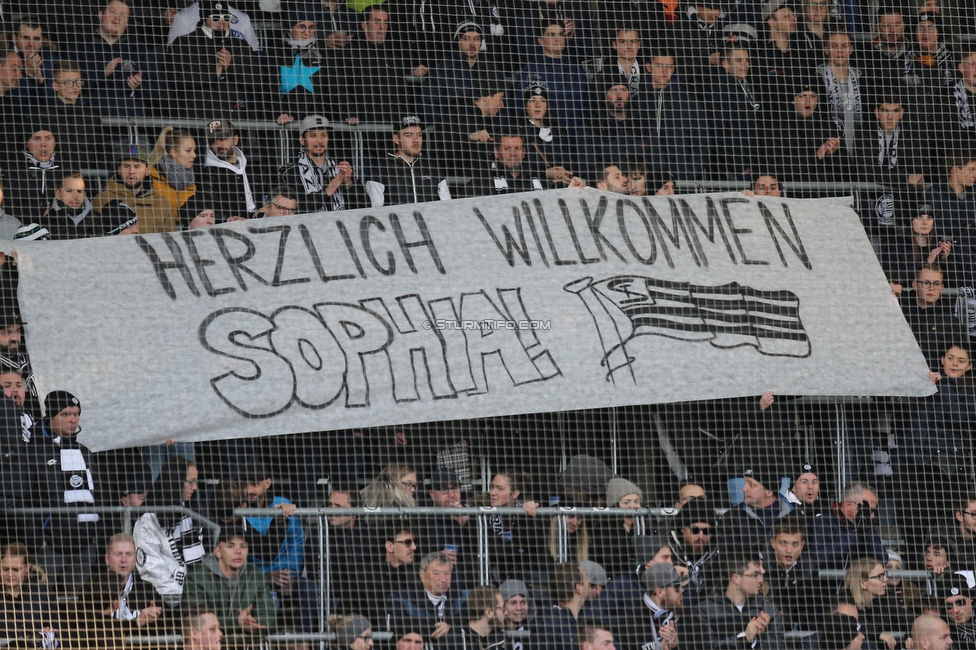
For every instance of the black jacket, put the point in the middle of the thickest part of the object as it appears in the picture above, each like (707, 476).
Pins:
(677, 137)
(226, 190)
(404, 182)
(720, 622)
(736, 115)
(197, 90)
(67, 534)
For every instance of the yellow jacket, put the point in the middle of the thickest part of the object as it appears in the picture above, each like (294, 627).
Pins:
(174, 197)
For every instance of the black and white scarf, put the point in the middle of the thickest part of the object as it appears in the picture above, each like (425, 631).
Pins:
(633, 76)
(239, 168)
(963, 106)
(122, 612)
(888, 151)
(835, 97)
(660, 616)
(79, 487)
(315, 179)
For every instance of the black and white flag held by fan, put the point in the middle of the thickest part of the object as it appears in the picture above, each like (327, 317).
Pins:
(539, 301)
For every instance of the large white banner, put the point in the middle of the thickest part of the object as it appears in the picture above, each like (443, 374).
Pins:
(532, 302)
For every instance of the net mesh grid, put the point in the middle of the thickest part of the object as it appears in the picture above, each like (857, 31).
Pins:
(769, 521)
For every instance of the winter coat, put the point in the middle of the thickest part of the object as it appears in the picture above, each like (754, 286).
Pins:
(174, 197)
(744, 528)
(835, 542)
(155, 211)
(943, 426)
(721, 623)
(404, 182)
(206, 585)
(67, 534)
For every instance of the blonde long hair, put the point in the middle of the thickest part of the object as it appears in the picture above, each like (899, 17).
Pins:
(857, 573)
(582, 536)
(387, 490)
(169, 139)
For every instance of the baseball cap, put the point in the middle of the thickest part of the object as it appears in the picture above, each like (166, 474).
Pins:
(132, 152)
(595, 573)
(443, 477)
(313, 122)
(662, 574)
(220, 128)
(775, 5)
(407, 121)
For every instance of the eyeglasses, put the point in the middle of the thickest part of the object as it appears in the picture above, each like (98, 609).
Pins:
(191, 481)
(700, 530)
(971, 514)
(217, 18)
(755, 574)
(881, 576)
(281, 208)
(407, 543)
(930, 284)
(959, 604)
(409, 485)
(71, 83)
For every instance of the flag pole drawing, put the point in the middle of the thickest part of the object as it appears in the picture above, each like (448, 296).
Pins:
(727, 316)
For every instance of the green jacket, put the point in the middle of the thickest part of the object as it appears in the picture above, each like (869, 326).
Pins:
(206, 585)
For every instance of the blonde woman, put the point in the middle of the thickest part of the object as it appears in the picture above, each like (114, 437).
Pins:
(395, 485)
(171, 169)
(577, 538)
(866, 583)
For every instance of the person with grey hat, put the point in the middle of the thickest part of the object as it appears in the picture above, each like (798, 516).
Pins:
(325, 184)
(611, 545)
(232, 587)
(406, 175)
(519, 609)
(224, 177)
(750, 525)
(132, 186)
(596, 576)
(655, 621)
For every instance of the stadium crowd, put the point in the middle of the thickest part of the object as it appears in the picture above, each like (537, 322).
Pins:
(630, 96)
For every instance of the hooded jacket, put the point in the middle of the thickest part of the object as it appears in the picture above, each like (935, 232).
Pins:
(207, 585)
(154, 211)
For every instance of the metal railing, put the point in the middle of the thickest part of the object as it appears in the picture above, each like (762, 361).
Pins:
(126, 511)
